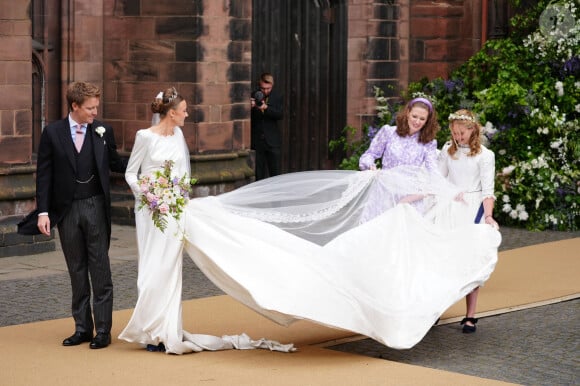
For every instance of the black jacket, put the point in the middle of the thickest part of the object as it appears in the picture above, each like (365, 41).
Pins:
(265, 124)
(56, 171)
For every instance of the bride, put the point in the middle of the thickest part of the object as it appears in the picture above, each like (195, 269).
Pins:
(156, 320)
(298, 246)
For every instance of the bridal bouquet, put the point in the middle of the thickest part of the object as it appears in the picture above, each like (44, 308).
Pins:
(164, 195)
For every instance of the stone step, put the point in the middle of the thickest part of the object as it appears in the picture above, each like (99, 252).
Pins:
(123, 212)
(14, 244)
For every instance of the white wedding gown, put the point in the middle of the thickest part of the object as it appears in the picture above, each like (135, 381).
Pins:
(157, 314)
(298, 246)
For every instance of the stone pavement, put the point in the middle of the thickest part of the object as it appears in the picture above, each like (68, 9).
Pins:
(537, 346)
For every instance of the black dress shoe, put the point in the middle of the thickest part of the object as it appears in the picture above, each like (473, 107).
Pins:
(102, 340)
(467, 329)
(77, 338)
(156, 348)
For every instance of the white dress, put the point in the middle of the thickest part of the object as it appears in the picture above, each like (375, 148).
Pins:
(293, 247)
(474, 176)
(157, 314)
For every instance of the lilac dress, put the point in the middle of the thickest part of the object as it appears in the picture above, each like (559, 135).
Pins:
(395, 151)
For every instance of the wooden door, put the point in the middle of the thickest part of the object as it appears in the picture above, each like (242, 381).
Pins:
(303, 44)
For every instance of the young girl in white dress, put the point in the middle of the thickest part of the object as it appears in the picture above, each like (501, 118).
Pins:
(469, 165)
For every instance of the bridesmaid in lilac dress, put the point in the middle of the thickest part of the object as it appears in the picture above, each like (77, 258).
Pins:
(411, 142)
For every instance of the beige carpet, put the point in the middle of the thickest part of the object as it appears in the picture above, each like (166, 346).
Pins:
(32, 354)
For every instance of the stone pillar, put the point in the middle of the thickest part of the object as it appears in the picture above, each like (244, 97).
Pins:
(373, 57)
(82, 43)
(203, 48)
(16, 170)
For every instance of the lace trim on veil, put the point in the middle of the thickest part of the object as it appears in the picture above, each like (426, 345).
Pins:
(356, 184)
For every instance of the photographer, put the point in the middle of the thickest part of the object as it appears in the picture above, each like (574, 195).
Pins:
(267, 109)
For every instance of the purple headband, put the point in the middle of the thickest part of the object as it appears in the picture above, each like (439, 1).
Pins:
(424, 100)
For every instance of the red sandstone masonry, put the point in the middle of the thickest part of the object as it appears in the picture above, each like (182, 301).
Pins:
(23, 123)
(215, 136)
(360, 12)
(217, 93)
(15, 97)
(438, 8)
(15, 73)
(358, 28)
(121, 111)
(15, 28)
(6, 123)
(130, 28)
(447, 50)
(434, 28)
(15, 150)
(430, 70)
(15, 48)
(17, 10)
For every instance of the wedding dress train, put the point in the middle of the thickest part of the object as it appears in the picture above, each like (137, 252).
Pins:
(349, 250)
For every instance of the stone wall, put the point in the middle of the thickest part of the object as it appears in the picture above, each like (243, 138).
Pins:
(373, 56)
(442, 35)
(203, 49)
(16, 172)
(393, 43)
(15, 81)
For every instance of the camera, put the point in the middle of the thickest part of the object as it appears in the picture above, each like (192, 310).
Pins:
(258, 96)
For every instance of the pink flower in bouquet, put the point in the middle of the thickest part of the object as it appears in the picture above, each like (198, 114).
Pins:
(164, 208)
(144, 187)
(152, 199)
(162, 181)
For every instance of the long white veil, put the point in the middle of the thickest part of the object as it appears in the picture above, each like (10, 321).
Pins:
(319, 205)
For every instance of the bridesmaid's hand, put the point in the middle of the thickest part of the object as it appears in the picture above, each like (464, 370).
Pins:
(490, 221)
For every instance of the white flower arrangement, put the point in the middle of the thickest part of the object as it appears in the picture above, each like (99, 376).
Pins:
(460, 117)
(100, 130)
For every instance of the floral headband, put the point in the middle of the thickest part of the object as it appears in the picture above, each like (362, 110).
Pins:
(460, 117)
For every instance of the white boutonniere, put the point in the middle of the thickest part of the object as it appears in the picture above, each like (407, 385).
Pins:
(100, 130)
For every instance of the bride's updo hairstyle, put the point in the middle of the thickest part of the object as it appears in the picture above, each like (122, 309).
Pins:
(168, 101)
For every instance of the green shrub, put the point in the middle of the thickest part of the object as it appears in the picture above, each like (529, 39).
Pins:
(526, 91)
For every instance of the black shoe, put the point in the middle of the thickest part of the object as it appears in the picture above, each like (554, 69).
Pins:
(102, 340)
(77, 338)
(467, 329)
(156, 348)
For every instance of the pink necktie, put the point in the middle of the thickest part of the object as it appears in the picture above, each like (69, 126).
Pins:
(79, 138)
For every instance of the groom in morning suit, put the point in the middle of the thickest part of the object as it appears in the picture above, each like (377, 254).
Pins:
(72, 192)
